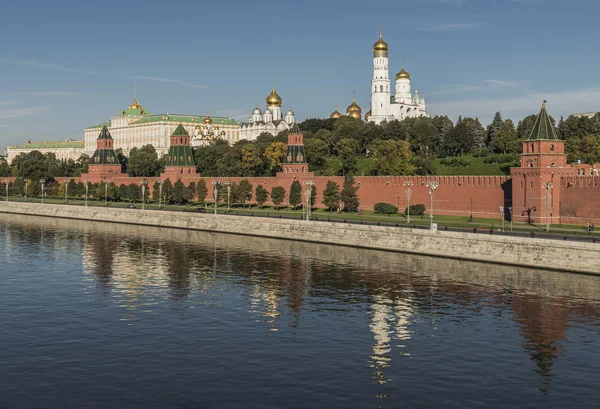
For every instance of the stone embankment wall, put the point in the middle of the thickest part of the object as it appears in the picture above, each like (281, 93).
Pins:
(539, 253)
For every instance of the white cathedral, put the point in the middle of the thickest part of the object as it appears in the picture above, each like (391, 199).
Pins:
(385, 107)
(270, 121)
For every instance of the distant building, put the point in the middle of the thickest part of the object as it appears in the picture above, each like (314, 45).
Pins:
(270, 121)
(68, 149)
(586, 114)
(135, 127)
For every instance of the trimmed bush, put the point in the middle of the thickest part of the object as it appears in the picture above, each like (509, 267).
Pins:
(385, 208)
(416, 210)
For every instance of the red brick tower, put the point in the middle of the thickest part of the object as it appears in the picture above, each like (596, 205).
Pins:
(104, 161)
(180, 159)
(536, 184)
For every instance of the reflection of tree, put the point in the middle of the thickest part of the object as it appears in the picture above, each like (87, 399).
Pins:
(544, 322)
(100, 250)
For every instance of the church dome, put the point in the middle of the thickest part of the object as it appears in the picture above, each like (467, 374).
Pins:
(274, 100)
(380, 48)
(256, 111)
(403, 74)
(354, 110)
(268, 111)
(207, 120)
(289, 113)
(367, 115)
(335, 114)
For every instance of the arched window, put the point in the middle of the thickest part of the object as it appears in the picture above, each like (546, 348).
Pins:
(532, 149)
(381, 88)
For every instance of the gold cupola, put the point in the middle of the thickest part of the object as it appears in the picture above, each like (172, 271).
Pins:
(135, 104)
(335, 114)
(380, 48)
(354, 110)
(207, 120)
(367, 115)
(403, 74)
(274, 100)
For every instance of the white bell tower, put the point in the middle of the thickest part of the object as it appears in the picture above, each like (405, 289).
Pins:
(380, 86)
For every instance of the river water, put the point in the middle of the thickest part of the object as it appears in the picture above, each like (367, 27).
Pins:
(116, 316)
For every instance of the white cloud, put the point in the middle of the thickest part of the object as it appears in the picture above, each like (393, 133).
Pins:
(52, 93)
(160, 79)
(560, 103)
(10, 113)
(239, 114)
(487, 85)
(453, 26)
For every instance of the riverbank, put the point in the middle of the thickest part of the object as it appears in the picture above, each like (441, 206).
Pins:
(527, 252)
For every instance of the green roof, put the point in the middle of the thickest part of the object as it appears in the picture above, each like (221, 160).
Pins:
(195, 119)
(135, 112)
(180, 131)
(104, 157)
(104, 134)
(107, 124)
(180, 155)
(50, 145)
(543, 128)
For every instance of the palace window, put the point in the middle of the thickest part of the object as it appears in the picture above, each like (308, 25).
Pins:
(552, 148)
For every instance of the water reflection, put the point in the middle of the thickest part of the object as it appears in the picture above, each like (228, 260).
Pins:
(400, 300)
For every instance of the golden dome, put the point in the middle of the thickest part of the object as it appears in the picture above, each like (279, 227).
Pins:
(207, 120)
(380, 48)
(403, 74)
(355, 114)
(367, 115)
(274, 100)
(335, 114)
(354, 108)
(135, 105)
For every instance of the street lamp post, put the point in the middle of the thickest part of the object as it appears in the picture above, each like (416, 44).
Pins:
(160, 184)
(548, 186)
(216, 186)
(26, 181)
(105, 192)
(6, 185)
(42, 181)
(87, 186)
(511, 218)
(144, 183)
(66, 190)
(432, 187)
(228, 184)
(501, 208)
(309, 184)
(408, 192)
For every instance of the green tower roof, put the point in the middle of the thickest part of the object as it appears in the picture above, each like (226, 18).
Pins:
(543, 128)
(180, 131)
(104, 134)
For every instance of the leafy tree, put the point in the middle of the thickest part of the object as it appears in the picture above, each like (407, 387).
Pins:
(192, 188)
(316, 151)
(313, 195)
(277, 195)
(4, 169)
(423, 136)
(261, 195)
(346, 150)
(315, 124)
(245, 191)
(295, 194)
(181, 194)
(505, 140)
(443, 124)
(133, 192)
(201, 190)
(331, 195)
(493, 129)
(348, 194)
(525, 126)
(168, 191)
(155, 190)
(143, 162)
(392, 157)
(275, 155)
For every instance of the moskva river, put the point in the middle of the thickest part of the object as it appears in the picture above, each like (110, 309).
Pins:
(98, 315)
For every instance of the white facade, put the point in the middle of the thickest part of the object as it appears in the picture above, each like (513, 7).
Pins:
(135, 127)
(67, 150)
(385, 107)
(270, 121)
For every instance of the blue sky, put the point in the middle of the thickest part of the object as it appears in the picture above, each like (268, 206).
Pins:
(66, 65)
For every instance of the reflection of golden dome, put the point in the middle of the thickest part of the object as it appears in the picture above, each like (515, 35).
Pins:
(135, 105)
(207, 120)
(380, 48)
(367, 115)
(274, 100)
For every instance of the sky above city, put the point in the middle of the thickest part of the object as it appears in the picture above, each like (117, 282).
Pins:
(66, 65)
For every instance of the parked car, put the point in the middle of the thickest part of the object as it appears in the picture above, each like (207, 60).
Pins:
(199, 210)
(131, 206)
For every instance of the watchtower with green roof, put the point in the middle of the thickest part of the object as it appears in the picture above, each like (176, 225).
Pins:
(180, 160)
(295, 160)
(104, 161)
(543, 148)
(537, 183)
